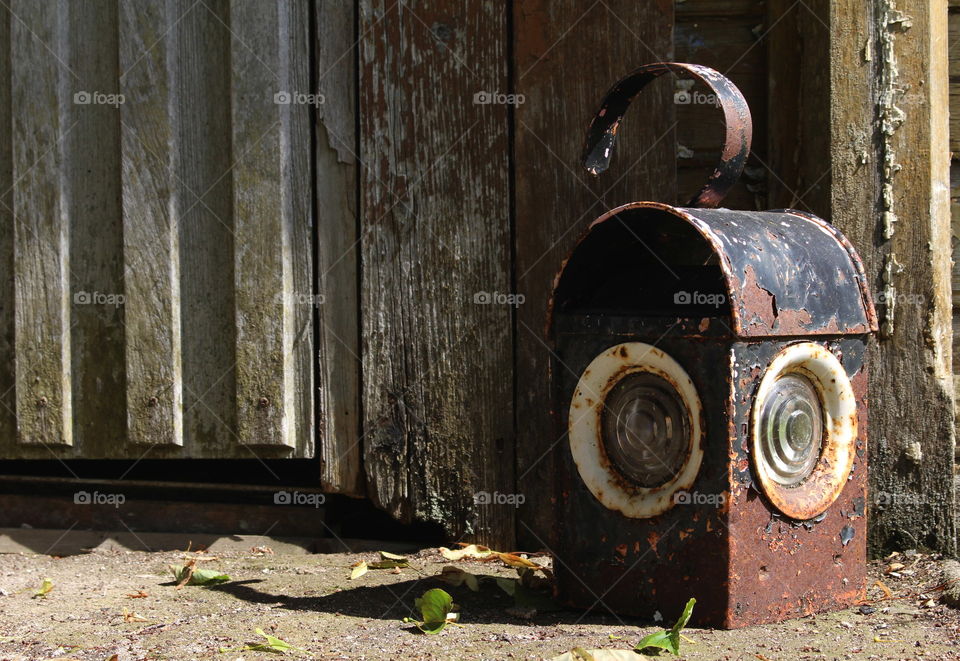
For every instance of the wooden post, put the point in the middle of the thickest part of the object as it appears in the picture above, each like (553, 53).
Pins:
(889, 151)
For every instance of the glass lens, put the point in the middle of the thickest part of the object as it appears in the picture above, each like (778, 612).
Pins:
(791, 429)
(646, 429)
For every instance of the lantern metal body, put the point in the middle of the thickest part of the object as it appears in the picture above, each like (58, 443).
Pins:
(711, 384)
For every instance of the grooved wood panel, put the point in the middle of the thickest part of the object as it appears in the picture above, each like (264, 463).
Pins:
(40, 89)
(151, 238)
(437, 375)
(556, 200)
(158, 250)
(271, 172)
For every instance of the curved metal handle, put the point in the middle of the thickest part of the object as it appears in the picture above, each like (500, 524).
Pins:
(602, 134)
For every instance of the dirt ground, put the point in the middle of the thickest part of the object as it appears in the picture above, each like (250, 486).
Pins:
(309, 601)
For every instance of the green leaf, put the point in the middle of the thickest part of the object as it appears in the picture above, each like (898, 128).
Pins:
(207, 577)
(658, 640)
(45, 588)
(436, 608)
(272, 644)
(388, 564)
(668, 639)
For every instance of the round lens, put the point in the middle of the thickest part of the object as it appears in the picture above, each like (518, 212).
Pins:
(791, 429)
(646, 430)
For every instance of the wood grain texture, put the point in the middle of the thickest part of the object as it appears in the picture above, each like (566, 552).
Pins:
(151, 237)
(270, 100)
(910, 378)
(732, 40)
(692, 9)
(437, 386)
(204, 206)
(555, 200)
(92, 206)
(147, 136)
(337, 315)
(8, 404)
(39, 90)
(798, 54)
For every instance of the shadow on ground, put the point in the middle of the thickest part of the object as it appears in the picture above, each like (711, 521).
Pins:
(395, 601)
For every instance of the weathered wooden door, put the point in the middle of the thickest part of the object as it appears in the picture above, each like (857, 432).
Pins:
(156, 269)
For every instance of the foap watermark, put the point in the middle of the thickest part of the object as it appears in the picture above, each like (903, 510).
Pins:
(483, 98)
(699, 298)
(498, 298)
(299, 298)
(497, 498)
(97, 498)
(299, 498)
(98, 99)
(892, 296)
(695, 98)
(897, 498)
(98, 298)
(698, 498)
(299, 99)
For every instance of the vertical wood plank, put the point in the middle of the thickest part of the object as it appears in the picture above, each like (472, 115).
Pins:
(437, 387)
(338, 316)
(8, 421)
(270, 101)
(204, 203)
(888, 108)
(555, 200)
(41, 228)
(154, 378)
(92, 204)
(798, 51)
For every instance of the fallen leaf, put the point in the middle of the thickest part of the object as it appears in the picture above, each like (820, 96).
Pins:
(457, 577)
(272, 644)
(45, 588)
(388, 564)
(386, 555)
(894, 566)
(472, 551)
(139, 594)
(887, 593)
(129, 616)
(668, 639)
(580, 654)
(359, 569)
(437, 610)
(190, 574)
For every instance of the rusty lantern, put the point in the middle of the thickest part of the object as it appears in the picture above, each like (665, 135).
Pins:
(711, 381)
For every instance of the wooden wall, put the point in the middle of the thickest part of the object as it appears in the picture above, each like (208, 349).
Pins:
(362, 275)
(156, 230)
